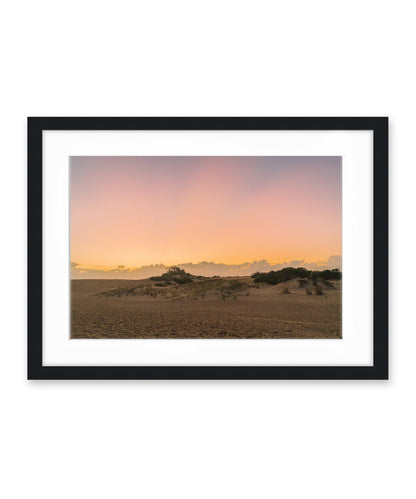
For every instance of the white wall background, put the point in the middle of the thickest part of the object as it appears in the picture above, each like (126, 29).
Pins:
(211, 439)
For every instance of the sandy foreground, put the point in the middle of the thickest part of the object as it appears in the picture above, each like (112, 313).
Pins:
(226, 308)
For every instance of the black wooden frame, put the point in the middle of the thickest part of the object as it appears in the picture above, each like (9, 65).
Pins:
(379, 127)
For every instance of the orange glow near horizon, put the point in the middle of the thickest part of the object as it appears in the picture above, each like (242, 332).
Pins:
(137, 211)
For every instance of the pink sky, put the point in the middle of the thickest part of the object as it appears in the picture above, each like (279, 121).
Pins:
(136, 211)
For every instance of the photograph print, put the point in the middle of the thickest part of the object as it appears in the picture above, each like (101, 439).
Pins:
(206, 247)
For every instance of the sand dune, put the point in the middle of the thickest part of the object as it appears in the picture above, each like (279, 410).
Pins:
(205, 308)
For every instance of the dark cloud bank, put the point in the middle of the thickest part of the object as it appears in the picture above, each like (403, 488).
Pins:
(208, 269)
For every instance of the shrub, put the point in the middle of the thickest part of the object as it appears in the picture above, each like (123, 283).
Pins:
(175, 274)
(283, 275)
(334, 275)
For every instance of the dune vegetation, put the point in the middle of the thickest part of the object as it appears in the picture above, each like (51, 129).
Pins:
(176, 284)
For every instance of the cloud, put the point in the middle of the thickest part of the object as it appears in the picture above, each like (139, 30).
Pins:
(208, 269)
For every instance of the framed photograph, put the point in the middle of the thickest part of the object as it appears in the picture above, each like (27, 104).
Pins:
(208, 248)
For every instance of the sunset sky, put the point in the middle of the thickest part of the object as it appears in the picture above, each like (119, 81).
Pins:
(137, 211)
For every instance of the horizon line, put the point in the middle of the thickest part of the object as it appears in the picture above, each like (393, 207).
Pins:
(206, 268)
(209, 262)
